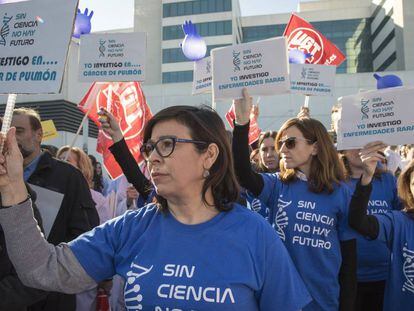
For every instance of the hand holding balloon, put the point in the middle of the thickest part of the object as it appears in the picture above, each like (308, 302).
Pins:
(193, 46)
(82, 23)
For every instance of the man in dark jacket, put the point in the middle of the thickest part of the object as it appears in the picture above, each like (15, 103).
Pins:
(14, 296)
(77, 213)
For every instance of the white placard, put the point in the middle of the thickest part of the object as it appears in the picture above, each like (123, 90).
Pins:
(261, 67)
(112, 57)
(202, 76)
(48, 203)
(313, 80)
(385, 115)
(34, 41)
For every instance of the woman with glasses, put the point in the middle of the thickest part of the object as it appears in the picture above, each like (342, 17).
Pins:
(394, 229)
(308, 204)
(373, 256)
(193, 249)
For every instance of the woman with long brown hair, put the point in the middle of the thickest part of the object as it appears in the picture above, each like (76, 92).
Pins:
(79, 159)
(308, 204)
(268, 157)
(394, 229)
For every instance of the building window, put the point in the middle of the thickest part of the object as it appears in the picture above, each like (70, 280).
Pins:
(204, 29)
(177, 76)
(196, 7)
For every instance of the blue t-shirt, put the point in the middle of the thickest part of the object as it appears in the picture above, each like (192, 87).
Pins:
(311, 225)
(232, 262)
(396, 229)
(254, 204)
(373, 255)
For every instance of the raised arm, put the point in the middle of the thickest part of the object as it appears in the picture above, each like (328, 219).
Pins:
(364, 224)
(123, 156)
(38, 263)
(248, 179)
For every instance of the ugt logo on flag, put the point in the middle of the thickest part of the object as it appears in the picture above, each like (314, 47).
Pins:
(303, 36)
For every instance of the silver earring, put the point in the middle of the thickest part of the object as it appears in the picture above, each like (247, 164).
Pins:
(206, 173)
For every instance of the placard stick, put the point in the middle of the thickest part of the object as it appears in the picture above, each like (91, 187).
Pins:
(7, 118)
(307, 98)
(85, 117)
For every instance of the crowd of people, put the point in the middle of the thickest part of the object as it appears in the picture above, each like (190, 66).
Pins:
(210, 223)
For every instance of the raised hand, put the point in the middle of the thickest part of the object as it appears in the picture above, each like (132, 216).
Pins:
(304, 112)
(110, 125)
(243, 108)
(370, 157)
(131, 195)
(12, 187)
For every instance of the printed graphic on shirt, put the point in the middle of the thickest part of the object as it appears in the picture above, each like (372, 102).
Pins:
(408, 269)
(132, 295)
(377, 207)
(312, 228)
(255, 205)
(174, 285)
(281, 218)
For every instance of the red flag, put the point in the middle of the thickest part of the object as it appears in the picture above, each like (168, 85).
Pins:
(254, 130)
(303, 36)
(126, 101)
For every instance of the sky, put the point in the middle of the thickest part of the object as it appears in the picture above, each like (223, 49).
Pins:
(104, 19)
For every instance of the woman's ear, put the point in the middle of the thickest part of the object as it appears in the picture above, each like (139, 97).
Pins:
(210, 156)
(315, 148)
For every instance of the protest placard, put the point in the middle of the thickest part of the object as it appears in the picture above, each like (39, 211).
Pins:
(202, 76)
(385, 115)
(49, 130)
(34, 41)
(261, 67)
(48, 203)
(310, 79)
(112, 57)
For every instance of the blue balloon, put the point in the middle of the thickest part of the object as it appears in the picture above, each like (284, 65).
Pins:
(82, 23)
(194, 47)
(387, 81)
(297, 56)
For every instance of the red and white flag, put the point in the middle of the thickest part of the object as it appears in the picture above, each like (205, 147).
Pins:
(301, 35)
(126, 101)
(254, 130)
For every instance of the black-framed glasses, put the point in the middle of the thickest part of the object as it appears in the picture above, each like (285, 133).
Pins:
(290, 142)
(165, 146)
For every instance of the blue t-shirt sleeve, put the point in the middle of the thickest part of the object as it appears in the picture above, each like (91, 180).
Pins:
(96, 249)
(270, 192)
(386, 227)
(283, 288)
(344, 230)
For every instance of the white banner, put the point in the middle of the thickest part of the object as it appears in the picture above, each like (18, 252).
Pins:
(385, 115)
(34, 41)
(202, 76)
(261, 67)
(112, 57)
(310, 79)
